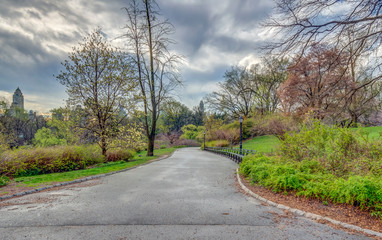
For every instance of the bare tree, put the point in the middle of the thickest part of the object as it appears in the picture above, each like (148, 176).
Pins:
(97, 77)
(266, 79)
(301, 24)
(235, 95)
(249, 89)
(147, 35)
(366, 100)
(363, 103)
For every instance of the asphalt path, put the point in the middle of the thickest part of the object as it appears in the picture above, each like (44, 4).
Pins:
(191, 195)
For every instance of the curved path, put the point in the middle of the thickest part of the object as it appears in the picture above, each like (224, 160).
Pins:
(191, 195)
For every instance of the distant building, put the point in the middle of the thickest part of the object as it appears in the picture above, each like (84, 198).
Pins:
(18, 100)
(31, 115)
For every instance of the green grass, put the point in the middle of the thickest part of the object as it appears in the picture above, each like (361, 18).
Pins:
(266, 144)
(47, 179)
(373, 133)
(270, 143)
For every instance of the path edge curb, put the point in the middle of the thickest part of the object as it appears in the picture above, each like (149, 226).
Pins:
(80, 180)
(303, 213)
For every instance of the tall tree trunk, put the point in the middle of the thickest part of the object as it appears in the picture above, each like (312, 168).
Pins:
(151, 138)
(150, 145)
(103, 145)
(354, 120)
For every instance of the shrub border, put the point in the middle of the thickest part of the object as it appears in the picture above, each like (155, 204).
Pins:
(303, 213)
(81, 179)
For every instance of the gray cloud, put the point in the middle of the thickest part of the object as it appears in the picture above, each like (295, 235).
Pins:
(36, 35)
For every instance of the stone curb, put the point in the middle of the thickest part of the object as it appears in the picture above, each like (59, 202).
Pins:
(305, 214)
(79, 180)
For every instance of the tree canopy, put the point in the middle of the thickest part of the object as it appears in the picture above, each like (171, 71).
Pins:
(97, 77)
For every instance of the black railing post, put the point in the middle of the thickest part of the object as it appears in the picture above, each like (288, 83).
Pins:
(241, 130)
(231, 153)
(204, 145)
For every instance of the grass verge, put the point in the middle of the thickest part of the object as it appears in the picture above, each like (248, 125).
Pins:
(265, 144)
(48, 179)
(372, 133)
(270, 143)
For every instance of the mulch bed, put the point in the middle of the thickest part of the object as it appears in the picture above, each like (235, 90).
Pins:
(340, 212)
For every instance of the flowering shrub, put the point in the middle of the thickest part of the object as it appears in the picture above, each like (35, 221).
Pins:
(119, 154)
(28, 162)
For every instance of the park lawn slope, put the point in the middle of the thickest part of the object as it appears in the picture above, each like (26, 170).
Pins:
(265, 144)
(371, 133)
(270, 143)
(323, 162)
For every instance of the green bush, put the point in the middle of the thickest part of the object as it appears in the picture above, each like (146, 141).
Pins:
(247, 126)
(4, 181)
(192, 132)
(217, 143)
(44, 137)
(340, 150)
(311, 179)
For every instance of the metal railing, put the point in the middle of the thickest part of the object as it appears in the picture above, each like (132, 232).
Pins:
(233, 153)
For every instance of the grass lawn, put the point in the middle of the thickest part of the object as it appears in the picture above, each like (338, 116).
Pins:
(270, 143)
(373, 133)
(267, 144)
(47, 179)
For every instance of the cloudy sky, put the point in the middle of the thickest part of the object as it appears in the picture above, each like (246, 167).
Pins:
(36, 36)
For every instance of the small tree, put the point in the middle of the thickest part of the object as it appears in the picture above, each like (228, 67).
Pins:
(66, 124)
(129, 136)
(175, 115)
(316, 82)
(45, 138)
(191, 131)
(98, 78)
(199, 113)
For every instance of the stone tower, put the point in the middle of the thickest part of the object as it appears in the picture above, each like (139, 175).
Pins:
(18, 100)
